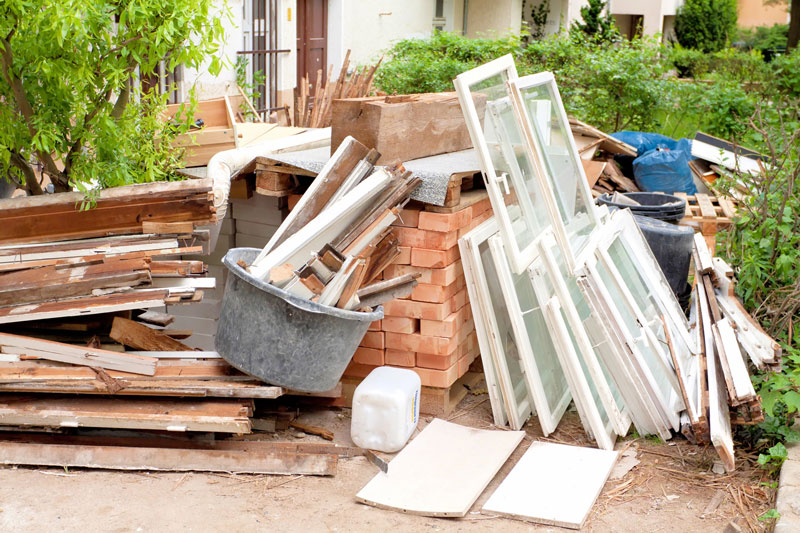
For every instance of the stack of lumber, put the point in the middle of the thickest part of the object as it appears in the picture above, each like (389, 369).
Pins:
(313, 109)
(431, 331)
(58, 260)
(337, 240)
(728, 337)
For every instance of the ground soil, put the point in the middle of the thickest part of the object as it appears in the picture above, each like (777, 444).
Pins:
(669, 490)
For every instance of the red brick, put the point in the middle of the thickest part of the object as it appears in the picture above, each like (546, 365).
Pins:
(368, 356)
(444, 221)
(433, 240)
(411, 309)
(400, 358)
(443, 362)
(408, 218)
(438, 378)
(478, 208)
(447, 327)
(405, 256)
(397, 324)
(376, 326)
(425, 292)
(357, 370)
(476, 221)
(466, 360)
(420, 343)
(373, 339)
(435, 276)
(422, 257)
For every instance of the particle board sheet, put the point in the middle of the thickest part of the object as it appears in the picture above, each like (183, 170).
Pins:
(228, 416)
(442, 471)
(553, 484)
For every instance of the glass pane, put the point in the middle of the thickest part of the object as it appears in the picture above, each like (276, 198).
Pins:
(552, 376)
(551, 133)
(505, 332)
(524, 201)
(650, 356)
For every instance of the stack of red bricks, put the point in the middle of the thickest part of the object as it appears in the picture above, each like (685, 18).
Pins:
(432, 331)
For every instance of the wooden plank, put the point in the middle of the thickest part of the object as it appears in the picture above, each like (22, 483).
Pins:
(736, 375)
(614, 174)
(68, 353)
(574, 478)
(190, 354)
(719, 422)
(52, 283)
(322, 189)
(83, 306)
(141, 337)
(593, 170)
(431, 124)
(227, 416)
(252, 461)
(703, 263)
(442, 471)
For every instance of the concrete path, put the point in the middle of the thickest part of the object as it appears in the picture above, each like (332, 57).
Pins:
(788, 502)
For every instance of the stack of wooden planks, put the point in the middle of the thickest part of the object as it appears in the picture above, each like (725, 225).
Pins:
(728, 337)
(60, 258)
(337, 241)
(313, 109)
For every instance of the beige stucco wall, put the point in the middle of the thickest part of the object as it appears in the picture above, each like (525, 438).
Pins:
(754, 13)
(493, 17)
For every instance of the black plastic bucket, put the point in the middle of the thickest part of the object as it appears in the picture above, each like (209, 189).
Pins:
(661, 206)
(672, 247)
(282, 339)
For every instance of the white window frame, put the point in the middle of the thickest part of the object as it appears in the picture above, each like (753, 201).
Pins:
(519, 258)
(620, 420)
(548, 418)
(486, 325)
(546, 181)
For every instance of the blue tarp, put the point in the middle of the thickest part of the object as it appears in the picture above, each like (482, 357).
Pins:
(662, 163)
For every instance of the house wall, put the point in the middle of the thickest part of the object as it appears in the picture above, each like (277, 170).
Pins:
(487, 18)
(753, 13)
(207, 85)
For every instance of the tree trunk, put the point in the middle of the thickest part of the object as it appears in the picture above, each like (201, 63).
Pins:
(31, 185)
(794, 25)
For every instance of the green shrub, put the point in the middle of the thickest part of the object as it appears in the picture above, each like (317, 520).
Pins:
(431, 64)
(596, 24)
(706, 25)
(786, 73)
(765, 38)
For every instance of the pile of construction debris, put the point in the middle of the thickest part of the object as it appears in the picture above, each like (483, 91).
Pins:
(337, 239)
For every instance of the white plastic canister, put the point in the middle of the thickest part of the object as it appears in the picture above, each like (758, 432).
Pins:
(385, 409)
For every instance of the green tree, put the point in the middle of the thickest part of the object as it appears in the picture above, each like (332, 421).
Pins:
(69, 99)
(596, 23)
(706, 25)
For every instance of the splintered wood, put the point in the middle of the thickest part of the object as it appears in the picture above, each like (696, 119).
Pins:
(728, 334)
(338, 238)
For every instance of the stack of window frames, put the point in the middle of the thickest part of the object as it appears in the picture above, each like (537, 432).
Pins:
(568, 301)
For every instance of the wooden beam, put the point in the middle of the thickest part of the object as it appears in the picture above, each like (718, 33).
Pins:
(252, 461)
(77, 355)
(141, 337)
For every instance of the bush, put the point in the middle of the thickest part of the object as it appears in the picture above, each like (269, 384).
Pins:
(765, 38)
(431, 64)
(706, 25)
(786, 73)
(764, 246)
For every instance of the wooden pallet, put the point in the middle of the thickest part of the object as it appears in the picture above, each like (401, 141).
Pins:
(708, 213)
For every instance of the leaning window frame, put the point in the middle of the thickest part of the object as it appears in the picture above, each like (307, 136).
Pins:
(546, 181)
(620, 420)
(488, 331)
(548, 416)
(519, 258)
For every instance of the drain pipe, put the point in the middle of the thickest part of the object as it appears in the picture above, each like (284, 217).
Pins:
(222, 165)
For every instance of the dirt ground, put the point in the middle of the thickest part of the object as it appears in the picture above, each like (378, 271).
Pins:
(669, 490)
